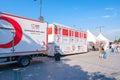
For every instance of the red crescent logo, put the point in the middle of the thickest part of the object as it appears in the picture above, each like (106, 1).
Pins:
(18, 32)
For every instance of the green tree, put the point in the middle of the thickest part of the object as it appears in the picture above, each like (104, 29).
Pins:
(115, 40)
(119, 40)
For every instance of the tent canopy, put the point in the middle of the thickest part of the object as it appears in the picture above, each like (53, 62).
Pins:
(100, 37)
(91, 37)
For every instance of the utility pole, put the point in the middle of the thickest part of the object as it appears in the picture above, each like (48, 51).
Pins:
(100, 28)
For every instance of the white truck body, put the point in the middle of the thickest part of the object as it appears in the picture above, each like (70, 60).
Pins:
(66, 40)
(27, 35)
(21, 36)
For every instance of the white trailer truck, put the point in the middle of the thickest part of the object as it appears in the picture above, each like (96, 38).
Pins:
(21, 39)
(66, 40)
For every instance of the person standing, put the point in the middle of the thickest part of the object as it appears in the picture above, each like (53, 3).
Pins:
(112, 47)
(101, 50)
(116, 48)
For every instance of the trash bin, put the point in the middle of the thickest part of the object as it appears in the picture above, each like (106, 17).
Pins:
(57, 56)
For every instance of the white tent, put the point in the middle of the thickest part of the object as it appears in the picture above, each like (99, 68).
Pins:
(91, 40)
(91, 37)
(101, 39)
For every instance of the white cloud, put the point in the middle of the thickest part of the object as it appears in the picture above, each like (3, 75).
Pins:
(109, 8)
(111, 12)
(107, 16)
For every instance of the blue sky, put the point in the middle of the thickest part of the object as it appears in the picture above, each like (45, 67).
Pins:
(82, 14)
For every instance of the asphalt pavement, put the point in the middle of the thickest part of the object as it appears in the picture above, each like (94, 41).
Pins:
(87, 66)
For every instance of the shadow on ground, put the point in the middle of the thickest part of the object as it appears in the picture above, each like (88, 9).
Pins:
(49, 70)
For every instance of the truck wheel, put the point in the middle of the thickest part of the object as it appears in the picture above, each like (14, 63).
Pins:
(24, 61)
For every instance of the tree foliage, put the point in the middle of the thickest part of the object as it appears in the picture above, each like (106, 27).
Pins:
(117, 40)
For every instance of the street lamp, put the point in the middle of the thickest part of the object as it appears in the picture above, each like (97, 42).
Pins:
(41, 17)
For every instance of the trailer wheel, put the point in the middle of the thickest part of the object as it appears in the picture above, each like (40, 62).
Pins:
(24, 61)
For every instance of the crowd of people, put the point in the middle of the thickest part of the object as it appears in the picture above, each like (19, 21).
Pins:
(105, 48)
(113, 48)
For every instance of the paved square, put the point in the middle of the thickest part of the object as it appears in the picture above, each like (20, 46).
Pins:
(87, 66)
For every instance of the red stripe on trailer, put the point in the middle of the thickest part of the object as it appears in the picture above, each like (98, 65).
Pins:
(49, 30)
(64, 32)
(76, 34)
(85, 35)
(56, 30)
